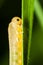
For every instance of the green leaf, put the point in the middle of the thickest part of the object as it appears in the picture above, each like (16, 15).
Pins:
(27, 17)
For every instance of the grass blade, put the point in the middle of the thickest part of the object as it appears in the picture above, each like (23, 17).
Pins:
(27, 17)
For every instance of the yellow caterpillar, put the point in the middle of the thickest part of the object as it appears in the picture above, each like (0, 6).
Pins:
(15, 41)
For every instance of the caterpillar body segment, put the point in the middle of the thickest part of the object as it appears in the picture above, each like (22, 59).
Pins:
(15, 42)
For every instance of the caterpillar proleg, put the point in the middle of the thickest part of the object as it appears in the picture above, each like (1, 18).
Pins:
(15, 41)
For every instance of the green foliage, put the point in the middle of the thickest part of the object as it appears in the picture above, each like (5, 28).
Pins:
(33, 34)
(27, 17)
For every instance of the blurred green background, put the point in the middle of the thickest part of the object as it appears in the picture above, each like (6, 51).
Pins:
(9, 9)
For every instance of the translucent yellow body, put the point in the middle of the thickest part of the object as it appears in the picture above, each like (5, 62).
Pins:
(15, 41)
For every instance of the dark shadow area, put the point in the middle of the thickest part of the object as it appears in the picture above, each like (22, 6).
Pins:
(41, 2)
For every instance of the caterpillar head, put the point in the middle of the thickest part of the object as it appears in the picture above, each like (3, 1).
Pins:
(17, 21)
